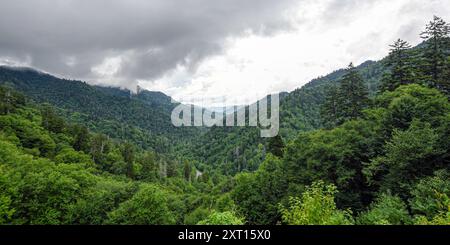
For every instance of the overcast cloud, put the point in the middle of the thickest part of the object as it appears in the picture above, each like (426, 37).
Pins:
(242, 49)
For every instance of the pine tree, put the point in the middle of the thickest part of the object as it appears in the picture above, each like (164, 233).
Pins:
(10, 100)
(81, 137)
(435, 60)
(329, 110)
(400, 63)
(276, 146)
(128, 157)
(352, 96)
(50, 120)
(99, 146)
(187, 171)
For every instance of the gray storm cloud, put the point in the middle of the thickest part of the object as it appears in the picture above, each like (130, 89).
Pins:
(141, 39)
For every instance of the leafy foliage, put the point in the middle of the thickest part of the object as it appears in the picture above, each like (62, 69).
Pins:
(316, 207)
(224, 218)
(350, 151)
(386, 210)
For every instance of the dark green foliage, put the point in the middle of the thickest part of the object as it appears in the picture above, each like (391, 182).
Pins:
(257, 195)
(128, 157)
(347, 101)
(50, 120)
(330, 108)
(436, 53)
(276, 146)
(187, 170)
(10, 100)
(382, 159)
(148, 206)
(401, 67)
(335, 156)
(352, 96)
(81, 138)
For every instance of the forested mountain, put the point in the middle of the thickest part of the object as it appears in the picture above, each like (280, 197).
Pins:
(236, 149)
(363, 145)
(143, 118)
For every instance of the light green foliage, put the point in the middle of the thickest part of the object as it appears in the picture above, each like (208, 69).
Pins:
(44, 190)
(442, 216)
(6, 192)
(69, 155)
(222, 218)
(386, 210)
(98, 200)
(430, 197)
(315, 207)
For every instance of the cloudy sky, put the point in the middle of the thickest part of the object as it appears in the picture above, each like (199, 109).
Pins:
(236, 50)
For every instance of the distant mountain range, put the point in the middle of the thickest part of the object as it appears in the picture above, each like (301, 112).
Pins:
(144, 117)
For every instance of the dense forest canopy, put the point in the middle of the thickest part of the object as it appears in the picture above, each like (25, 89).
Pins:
(363, 145)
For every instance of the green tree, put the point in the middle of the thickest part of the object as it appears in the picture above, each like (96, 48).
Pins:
(187, 170)
(315, 207)
(346, 102)
(99, 200)
(276, 146)
(6, 210)
(196, 216)
(10, 100)
(410, 155)
(400, 65)
(257, 195)
(329, 111)
(335, 156)
(81, 137)
(436, 53)
(222, 218)
(100, 146)
(50, 120)
(149, 206)
(128, 154)
(429, 197)
(150, 167)
(353, 95)
(386, 210)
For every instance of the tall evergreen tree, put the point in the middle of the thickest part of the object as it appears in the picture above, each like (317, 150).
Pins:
(81, 137)
(10, 100)
(187, 171)
(400, 63)
(352, 96)
(329, 110)
(437, 49)
(276, 146)
(50, 120)
(128, 157)
(99, 148)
